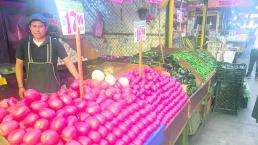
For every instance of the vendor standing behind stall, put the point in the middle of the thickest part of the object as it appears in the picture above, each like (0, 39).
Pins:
(253, 57)
(39, 53)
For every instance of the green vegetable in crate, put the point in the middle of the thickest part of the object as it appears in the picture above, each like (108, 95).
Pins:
(207, 59)
(182, 71)
(202, 69)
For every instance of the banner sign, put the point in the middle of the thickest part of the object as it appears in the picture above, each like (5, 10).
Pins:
(228, 3)
(71, 15)
(140, 31)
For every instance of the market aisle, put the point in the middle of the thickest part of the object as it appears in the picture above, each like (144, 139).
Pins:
(224, 129)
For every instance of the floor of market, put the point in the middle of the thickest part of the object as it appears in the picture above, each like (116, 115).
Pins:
(224, 129)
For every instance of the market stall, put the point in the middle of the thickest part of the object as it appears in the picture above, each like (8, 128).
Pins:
(146, 97)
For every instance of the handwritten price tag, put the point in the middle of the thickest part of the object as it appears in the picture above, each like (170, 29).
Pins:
(71, 16)
(139, 31)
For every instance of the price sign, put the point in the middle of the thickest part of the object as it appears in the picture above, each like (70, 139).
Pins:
(139, 31)
(71, 16)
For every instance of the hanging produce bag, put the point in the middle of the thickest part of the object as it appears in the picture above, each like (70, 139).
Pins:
(98, 27)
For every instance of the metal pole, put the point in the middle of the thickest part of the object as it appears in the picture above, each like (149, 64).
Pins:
(204, 17)
(171, 23)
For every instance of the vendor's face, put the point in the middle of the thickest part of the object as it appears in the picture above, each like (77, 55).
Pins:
(38, 30)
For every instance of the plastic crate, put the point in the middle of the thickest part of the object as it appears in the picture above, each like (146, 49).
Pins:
(231, 73)
(227, 98)
(157, 137)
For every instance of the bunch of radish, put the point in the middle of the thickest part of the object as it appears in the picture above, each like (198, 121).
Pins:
(112, 111)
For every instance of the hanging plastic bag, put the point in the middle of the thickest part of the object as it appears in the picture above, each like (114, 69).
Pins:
(98, 27)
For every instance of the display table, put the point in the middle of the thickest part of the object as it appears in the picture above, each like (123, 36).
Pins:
(176, 126)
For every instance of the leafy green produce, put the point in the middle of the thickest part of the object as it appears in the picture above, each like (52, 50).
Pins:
(208, 59)
(201, 68)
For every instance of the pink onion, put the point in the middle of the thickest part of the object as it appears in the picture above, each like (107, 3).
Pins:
(61, 142)
(69, 133)
(108, 115)
(82, 128)
(42, 124)
(7, 118)
(89, 96)
(32, 136)
(84, 140)
(75, 85)
(74, 94)
(93, 109)
(15, 137)
(103, 131)
(12, 101)
(117, 132)
(94, 136)
(4, 103)
(93, 122)
(30, 119)
(61, 92)
(82, 116)
(20, 112)
(103, 142)
(73, 142)
(71, 110)
(58, 124)
(38, 105)
(44, 97)
(114, 108)
(3, 113)
(80, 104)
(100, 118)
(111, 138)
(55, 103)
(31, 95)
(62, 113)
(71, 120)
(49, 137)
(47, 113)
(7, 127)
(67, 99)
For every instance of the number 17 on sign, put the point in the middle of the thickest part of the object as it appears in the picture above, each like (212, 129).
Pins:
(139, 36)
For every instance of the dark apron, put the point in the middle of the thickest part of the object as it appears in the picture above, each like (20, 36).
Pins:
(255, 110)
(41, 75)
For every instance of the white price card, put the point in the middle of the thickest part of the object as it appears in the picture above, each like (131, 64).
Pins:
(140, 31)
(71, 15)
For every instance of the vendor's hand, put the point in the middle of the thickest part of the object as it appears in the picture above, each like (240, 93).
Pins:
(21, 92)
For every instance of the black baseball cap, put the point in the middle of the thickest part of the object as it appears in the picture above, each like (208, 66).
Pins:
(39, 17)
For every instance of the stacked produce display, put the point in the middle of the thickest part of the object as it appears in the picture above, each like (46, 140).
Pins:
(200, 67)
(172, 66)
(209, 60)
(183, 75)
(112, 111)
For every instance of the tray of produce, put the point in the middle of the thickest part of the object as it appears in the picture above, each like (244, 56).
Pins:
(113, 110)
(172, 66)
(195, 63)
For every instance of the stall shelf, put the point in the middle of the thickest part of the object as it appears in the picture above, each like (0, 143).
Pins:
(176, 126)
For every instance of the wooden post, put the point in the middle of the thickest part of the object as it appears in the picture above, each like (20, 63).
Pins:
(140, 58)
(160, 43)
(79, 60)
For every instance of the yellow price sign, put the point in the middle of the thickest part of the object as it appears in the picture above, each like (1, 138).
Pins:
(3, 81)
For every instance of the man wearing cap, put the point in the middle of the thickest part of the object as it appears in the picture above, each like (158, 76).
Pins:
(39, 53)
